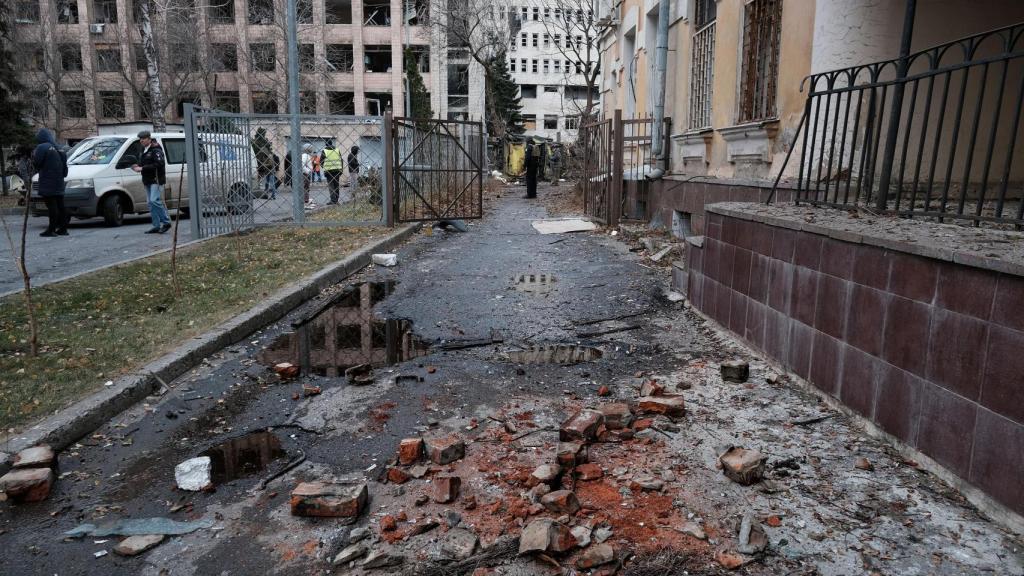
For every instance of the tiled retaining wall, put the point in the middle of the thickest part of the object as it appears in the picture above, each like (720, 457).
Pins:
(691, 195)
(929, 350)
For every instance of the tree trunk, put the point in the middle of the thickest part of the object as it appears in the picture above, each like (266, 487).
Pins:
(23, 268)
(156, 100)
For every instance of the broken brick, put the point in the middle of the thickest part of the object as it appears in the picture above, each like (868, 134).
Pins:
(27, 484)
(587, 472)
(773, 521)
(286, 370)
(41, 456)
(388, 524)
(324, 499)
(571, 454)
(743, 466)
(410, 451)
(604, 391)
(308, 390)
(651, 388)
(735, 371)
(446, 488)
(582, 426)
(642, 424)
(596, 555)
(398, 476)
(535, 536)
(646, 484)
(561, 502)
(617, 415)
(562, 539)
(730, 560)
(860, 464)
(668, 405)
(545, 474)
(445, 450)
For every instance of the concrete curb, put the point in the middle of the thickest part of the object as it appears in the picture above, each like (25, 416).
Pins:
(81, 418)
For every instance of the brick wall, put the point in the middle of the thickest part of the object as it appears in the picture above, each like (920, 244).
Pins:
(929, 350)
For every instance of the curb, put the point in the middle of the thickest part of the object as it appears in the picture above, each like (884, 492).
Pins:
(62, 429)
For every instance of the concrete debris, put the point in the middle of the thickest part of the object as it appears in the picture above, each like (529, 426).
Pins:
(358, 534)
(672, 406)
(308, 390)
(562, 225)
(590, 471)
(459, 544)
(617, 415)
(692, 529)
(424, 527)
(581, 427)
(674, 296)
(735, 371)
(194, 474)
(359, 375)
(419, 471)
(571, 454)
(647, 484)
(602, 534)
(27, 484)
(651, 388)
(386, 260)
(582, 535)
(752, 539)
(445, 450)
(596, 555)
(743, 466)
(661, 253)
(350, 553)
(410, 451)
(545, 474)
(139, 527)
(135, 545)
(863, 464)
(546, 535)
(561, 502)
(41, 456)
(446, 488)
(452, 518)
(538, 492)
(325, 499)
(382, 558)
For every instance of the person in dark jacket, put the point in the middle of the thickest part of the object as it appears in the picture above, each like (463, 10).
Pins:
(532, 161)
(353, 170)
(151, 165)
(52, 166)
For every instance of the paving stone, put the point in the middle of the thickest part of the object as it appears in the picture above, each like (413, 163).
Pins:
(350, 553)
(135, 545)
(459, 543)
(581, 427)
(27, 484)
(410, 451)
(445, 450)
(326, 499)
(735, 371)
(673, 406)
(561, 502)
(446, 488)
(743, 466)
(596, 555)
(41, 456)
(617, 415)
(587, 472)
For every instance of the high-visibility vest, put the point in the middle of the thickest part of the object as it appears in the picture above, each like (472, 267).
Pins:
(332, 159)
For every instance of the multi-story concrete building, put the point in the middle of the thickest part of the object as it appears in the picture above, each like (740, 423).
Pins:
(550, 58)
(84, 62)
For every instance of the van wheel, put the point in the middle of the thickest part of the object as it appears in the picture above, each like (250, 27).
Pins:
(113, 211)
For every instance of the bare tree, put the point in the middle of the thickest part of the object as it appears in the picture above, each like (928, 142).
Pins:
(573, 34)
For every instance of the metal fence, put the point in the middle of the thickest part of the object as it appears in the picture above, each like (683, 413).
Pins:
(596, 178)
(702, 71)
(239, 171)
(438, 169)
(933, 135)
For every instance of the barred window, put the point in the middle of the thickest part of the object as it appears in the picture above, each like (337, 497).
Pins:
(112, 104)
(72, 103)
(702, 63)
(761, 39)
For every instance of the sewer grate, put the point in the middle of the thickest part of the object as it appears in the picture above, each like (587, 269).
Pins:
(533, 283)
(555, 354)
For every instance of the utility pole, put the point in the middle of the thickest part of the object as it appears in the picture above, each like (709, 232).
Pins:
(298, 184)
(408, 85)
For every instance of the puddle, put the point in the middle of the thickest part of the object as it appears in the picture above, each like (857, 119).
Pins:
(535, 283)
(243, 456)
(346, 333)
(556, 354)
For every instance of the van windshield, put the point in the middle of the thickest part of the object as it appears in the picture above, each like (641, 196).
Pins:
(96, 151)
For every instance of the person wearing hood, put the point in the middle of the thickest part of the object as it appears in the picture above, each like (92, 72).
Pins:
(532, 162)
(52, 166)
(151, 165)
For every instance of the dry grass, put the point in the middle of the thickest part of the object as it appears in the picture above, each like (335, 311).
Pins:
(103, 325)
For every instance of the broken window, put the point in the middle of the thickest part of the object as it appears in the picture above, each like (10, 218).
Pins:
(550, 122)
(458, 79)
(341, 103)
(264, 103)
(702, 61)
(227, 101)
(223, 57)
(759, 78)
(34, 55)
(70, 57)
(339, 57)
(27, 12)
(183, 57)
(222, 12)
(377, 13)
(142, 105)
(67, 13)
(112, 104)
(528, 91)
(377, 103)
(108, 59)
(262, 57)
(307, 58)
(104, 12)
(72, 103)
(551, 89)
(261, 12)
(304, 11)
(307, 103)
(338, 11)
(377, 57)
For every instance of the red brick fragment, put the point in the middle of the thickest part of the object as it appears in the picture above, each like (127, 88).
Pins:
(410, 451)
(446, 488)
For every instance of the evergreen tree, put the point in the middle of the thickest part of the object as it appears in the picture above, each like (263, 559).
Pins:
(419, 98)
(13, 127)
(504, 108)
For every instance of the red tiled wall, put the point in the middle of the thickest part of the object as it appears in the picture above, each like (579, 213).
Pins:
(691, 196)
(930, 351)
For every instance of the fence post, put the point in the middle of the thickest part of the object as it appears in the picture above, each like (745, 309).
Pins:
(882, 201)
(195, 209)
(388, 200)
(615, 202)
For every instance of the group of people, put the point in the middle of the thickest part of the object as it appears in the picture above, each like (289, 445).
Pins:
(327, 165)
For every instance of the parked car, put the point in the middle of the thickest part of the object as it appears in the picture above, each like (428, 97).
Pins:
(101, 182)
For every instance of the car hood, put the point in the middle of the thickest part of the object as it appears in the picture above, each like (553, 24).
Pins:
(79, 171)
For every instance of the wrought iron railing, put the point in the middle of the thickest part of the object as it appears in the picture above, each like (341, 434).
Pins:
(932, 135)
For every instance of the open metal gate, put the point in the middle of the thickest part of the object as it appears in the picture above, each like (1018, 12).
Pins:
(597, 180)
(437, 168)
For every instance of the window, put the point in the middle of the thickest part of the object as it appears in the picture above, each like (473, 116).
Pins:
(112, 104)
(702, 62)
(579, 68)
(522, 64)
(528, 91)
(760, 72)
(525, 12)
(546, 67)
(339, 57)
(264, 103)
(304, 11)
(535, 36)
(557, 40)
(38, 105)
(140, 57)
(377, 103)
(26, 12)
(512, 65)
(174, 150)
(377, 57)
(224, 58)
(67, 13)
(186, 98)
(222, 12)
(72, 103)
(530, 121)
(533, 66)
(35, 57)
(307, 102)
(547, 41)
(104, 11)
(307, 58)
(108, 59)
(551, 89)
(547, 13)
(572, 122)
(341, 103)
(376, 13)
(261, 12)
(536, 14)
(550, 122)
(263, 57)
(227, 101)
(523, 39)
(183, 57)
(704, 12)
(70, 57)
(558, 66)
(142, 105)
(338, 11)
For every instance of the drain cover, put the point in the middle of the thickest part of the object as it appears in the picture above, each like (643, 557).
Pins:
(555, 354)
(535, 283)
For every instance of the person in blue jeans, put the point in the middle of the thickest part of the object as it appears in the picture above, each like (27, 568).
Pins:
(151, 165)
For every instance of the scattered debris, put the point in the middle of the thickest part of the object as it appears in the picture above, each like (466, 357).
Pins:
(445, 450)
(735, 371)
(323, 499)
(194, 474)
(672, 406)
(862, 463)
(459, 543)
(562, 225)
(41, 456)
(135, 545)
(360, 374)
(385, 259)
(27, 484)
(308, 390)
(561, 502)
(582, 426)
(350, 553)
(286, 370)
(752, 539)
(446, 488)
(693, 529)
(596, 555)
(661, 253)
(743, 466)
(410, 451)
(139, 527)
(545, 535)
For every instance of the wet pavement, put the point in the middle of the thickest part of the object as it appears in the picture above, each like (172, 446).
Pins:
(468, 334)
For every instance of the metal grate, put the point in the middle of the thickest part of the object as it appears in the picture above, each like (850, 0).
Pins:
(596, 142)
(761, 39)
(702, 66)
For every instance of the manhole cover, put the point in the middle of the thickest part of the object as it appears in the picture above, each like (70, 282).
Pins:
(535, 283)
(555, 354)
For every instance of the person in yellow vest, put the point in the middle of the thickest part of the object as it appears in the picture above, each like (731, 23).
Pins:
(330, 160)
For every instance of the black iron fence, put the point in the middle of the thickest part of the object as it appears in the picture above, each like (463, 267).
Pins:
(932, 135)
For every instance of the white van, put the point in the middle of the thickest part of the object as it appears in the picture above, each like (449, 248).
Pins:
(101, 182)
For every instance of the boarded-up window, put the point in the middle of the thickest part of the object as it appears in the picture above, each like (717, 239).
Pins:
(760, 75)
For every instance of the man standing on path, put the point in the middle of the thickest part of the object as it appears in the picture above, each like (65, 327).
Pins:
(52, 166)
(330, 161)
(531, 170)
(353, 170)
(151, 165)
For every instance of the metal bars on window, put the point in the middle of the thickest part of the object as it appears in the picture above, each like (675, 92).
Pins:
(759, 81)
(702, 64)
